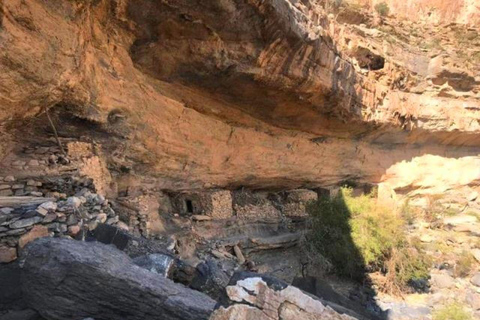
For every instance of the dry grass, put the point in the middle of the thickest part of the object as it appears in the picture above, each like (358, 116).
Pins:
(452, 311)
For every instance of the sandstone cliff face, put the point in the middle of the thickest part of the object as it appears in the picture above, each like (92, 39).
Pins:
(433, 11)
(229, 93)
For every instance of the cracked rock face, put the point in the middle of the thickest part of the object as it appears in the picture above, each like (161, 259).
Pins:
(203, 94)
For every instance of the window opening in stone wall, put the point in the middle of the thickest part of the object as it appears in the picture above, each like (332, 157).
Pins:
(189, 206)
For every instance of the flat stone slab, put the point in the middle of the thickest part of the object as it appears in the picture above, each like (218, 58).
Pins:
(22, 201)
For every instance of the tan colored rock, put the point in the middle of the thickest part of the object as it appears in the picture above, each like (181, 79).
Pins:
(7, 254)
(239, 254)
(427, 238)
(197, 217)
(37, 231)
(95, 168)
(248, 205)
(123, 226)
(442, 280)
(238, 312)
(433, 11)
(147, 207)
(289, 303)
(476, 254)
(472, 196)
(257, 109)
(460, 220)
(78, 149)
(220, 206)
(73, 230)
(102, 217)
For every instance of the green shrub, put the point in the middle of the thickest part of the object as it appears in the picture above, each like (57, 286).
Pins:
(382, 9)
(452, 311)
(355, 234)
(355, 227)
(331, 235)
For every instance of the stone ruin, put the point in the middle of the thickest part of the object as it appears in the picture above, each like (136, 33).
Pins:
(215, 204)
(44, 211)
(145, 211)
(54, 192)
(69, 195)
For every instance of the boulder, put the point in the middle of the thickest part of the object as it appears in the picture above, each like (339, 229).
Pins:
(211, 278)
(442, 281)
(74, 202)
(472, 298)
(68, 279)
(264, 298)
(156, 262)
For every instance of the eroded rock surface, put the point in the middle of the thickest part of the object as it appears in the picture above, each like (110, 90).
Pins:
(238, 93)
(257, 299)
(67, 279)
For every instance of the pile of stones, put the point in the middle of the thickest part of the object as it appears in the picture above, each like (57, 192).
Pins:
(10, 187)
(57, 187)
(39, 158)
(56, 217)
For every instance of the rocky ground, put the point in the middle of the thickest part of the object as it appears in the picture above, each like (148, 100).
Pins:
(453, 244)
(204, 253)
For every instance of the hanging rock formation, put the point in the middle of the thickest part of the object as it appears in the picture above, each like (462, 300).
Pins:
(235, 93)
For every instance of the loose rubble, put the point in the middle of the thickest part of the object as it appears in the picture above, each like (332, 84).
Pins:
(27, 218)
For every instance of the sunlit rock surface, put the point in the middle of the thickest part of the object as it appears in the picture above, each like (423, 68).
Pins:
(202, 94)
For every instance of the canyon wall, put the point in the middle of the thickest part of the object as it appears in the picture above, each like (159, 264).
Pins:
(235, 93)
(433, 11)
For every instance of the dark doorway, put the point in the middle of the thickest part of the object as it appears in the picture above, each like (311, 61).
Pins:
(189, 206)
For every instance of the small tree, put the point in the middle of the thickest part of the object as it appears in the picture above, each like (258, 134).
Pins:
(382, 9)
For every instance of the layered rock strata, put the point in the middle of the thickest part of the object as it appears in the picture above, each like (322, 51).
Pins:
(239, 93)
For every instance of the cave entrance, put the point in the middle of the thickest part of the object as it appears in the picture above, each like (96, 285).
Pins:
(189, 206)
(369, 60)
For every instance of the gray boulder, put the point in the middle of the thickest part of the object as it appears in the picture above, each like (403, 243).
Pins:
(211, 278)
(68, 279)
(156, 262)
